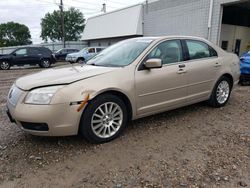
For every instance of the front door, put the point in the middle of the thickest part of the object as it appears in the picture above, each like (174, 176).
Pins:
(91, 52)
(162, 88)
(20, 56)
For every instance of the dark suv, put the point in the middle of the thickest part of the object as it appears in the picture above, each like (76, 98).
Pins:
(27, 56)
(62, 53)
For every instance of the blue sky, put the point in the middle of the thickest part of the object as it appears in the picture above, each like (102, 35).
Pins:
(30, 12)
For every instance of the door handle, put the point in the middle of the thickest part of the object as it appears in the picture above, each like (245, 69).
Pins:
(217, 64)
(182, 66)
(25, 55)
(181, 71)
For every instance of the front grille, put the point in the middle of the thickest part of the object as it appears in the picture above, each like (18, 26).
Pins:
(14, 95)
(35, 126)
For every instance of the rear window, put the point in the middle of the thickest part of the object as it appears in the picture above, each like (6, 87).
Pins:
(199, 50)
(35, 51)
(99, 49)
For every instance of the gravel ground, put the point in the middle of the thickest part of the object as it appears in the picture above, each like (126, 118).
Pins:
(195, 146)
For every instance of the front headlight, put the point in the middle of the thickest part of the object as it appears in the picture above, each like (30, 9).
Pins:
(41, 95)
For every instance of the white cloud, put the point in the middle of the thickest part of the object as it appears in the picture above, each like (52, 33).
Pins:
(30, 12)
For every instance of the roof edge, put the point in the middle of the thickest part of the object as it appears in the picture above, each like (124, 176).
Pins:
(117, 10)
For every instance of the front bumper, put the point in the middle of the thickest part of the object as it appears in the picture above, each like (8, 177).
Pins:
(60, 119)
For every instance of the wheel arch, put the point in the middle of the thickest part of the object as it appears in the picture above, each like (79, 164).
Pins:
(117, 93)
(123, 97)
(80, 58)
(230, 77)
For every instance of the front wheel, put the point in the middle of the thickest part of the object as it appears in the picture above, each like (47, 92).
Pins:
(4, 65)
(80, 61)
(221, 92)
(45, 63)
(104, 119)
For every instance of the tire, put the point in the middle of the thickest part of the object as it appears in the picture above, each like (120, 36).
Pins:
(4, 65)
(80, 61)
(99, 127)
(45, 63)
(221, 92)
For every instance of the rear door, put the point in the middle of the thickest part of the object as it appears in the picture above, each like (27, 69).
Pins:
(162, 88)
(202, 69)
(34, 55)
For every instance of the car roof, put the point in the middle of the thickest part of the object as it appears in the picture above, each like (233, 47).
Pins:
(171, 37)
(96, 47)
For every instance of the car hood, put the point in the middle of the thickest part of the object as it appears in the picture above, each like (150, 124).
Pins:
(64, 75)
(4, 56)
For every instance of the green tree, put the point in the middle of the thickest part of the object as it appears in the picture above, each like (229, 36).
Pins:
(14, 34)
(74, 23)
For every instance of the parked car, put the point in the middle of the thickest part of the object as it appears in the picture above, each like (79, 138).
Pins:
(129, 80)
(245, 68)
(84, 55)
(62, 53)
(27, 55)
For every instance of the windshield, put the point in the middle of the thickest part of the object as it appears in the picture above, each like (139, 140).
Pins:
(58, 51)
(83, 50)
(120, 54)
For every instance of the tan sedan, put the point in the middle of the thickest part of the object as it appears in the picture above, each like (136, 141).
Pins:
(129, 80)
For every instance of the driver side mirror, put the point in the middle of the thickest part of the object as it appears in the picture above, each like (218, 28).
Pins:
(153, 63)
(14, 54)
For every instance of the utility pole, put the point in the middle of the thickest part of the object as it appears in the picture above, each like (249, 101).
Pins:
(62, 23)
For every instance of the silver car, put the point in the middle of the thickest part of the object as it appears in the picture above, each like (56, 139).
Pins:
(129, 80)
(83, 55)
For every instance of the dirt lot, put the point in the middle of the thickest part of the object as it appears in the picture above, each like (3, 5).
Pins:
(195, 146)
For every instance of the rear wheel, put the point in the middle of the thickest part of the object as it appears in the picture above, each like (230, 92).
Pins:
(45, 63)
(221, 92)
(104, 119)
(4, 65)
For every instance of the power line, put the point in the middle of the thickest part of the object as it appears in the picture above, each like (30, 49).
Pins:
(93, 4)
(44, 1)
(117, 2)
(80, 7)
(87, 3)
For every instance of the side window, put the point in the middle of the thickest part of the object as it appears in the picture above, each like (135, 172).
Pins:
(21, 51)
(34, 51)
(168, 52)
(213, 53)
(99, 49)
(63, 51)
(199, 50)
(91, 50)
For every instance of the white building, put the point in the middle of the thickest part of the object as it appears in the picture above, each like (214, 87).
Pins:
(224, 22)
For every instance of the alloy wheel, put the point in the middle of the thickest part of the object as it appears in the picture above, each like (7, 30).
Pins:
(46, 63)
(223, 91)
(4, 65)
(107, 120)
